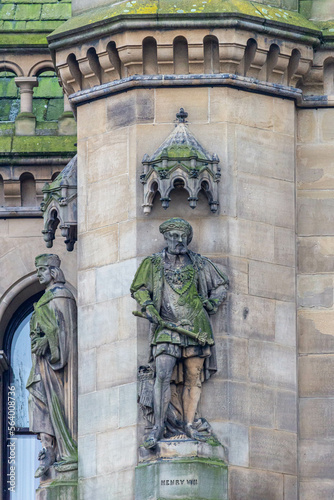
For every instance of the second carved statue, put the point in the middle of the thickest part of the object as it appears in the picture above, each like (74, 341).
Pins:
(177, 290)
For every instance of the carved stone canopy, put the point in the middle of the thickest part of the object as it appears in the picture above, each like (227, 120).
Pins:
(180, 161)
(60, 206)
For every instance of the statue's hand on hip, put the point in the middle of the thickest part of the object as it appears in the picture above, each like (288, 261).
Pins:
(39, 346)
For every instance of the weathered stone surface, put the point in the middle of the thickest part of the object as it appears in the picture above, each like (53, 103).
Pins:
(98, 324)
(251, 317)
(127, 413)
(272, 364)
(250, 404)
(87, 456)
(122, 358)
(98, 247)
(128, 231)
(316, 418)
(87, 381)
(265, 153)
(253, 240)
(273, 450)
(286, 411)
(316, 374)
(315, 290)
(285, 323)
(285, 246)
(237, 358)
(311, 489)
(106, 202)
(231, 105)
(284, 109)
(169, 101)
(326, 119)
(316, 255)
(107, 155)
(271, 281)
(235, 438)
(315, 211)
(84, 119)
(290, 488)
(98, 411)
(316, 459)
(307, 125)
(118, 485)
(110, 446)
(129, 109)
(252, 484)
(315, 330)
(114, 280)
(266, 200)
(315, 166)
(215, 390)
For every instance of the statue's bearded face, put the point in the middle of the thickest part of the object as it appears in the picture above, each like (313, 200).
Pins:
(44, 275)
(176, 242)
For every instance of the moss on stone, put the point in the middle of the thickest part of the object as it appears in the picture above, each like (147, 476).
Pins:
(5, 144)
(56, 11)
(27, 11)
(43, 144)
(163, 8)
(23, 39)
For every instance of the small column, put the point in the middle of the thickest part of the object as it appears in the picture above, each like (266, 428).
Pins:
(26, 121)
(66, 122)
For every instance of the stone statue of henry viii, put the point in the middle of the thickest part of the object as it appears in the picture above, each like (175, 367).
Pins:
(52, 382)
(177, 291)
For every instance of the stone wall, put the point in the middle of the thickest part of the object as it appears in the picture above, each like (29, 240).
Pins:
(315, 201)
(251, 401)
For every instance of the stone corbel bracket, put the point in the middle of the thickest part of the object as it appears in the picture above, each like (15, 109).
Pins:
(180, 162)
(59, 206)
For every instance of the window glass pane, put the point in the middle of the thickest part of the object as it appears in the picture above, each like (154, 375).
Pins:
(26, 451)
(21, 366)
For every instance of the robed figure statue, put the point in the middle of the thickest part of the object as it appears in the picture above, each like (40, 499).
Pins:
(177, 291)
(52, 382)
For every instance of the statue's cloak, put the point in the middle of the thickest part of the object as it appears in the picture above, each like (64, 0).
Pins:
(52, 382)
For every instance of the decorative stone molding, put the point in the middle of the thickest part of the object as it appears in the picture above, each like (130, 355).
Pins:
(180, 162)
(60, 206)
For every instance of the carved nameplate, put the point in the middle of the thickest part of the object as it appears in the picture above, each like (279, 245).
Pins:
(178, 482)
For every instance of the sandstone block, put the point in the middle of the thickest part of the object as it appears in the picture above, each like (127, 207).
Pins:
(266, 200)
(251, 317)
(326, 119)
(249, 239)
(98, 324)
(286, 411)
(107, 155)
(271, 281)
(315, 290)
(284, 110)
(130, 108)
(215, 390)
(315, 330)
(98, 411)
(236, 106)
(273, 450)
(316, 459)
(84, 119)
(122, 357)
(118, 485)
(316, 418)
(98, 247)
(250, 404)
(128, 408)
(285, 246)
(316, 374)
(235, 438)
(307, 129)
(87, 377)
(315, 166)
(114, 281)
(285, 323)
(110, 448)
(272, 364)
(194, 101)
(290, 487)
(128, 239)
(321, 489)
(265, 153)
(316, 255)
(254, 484)
(315, 211)
(87, 456)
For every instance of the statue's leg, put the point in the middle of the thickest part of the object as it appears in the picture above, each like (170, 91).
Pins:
(47, 456)
(192, 390)
(161, 398)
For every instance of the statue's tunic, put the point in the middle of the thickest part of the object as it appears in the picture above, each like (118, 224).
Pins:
(179, 295)
(52, 380)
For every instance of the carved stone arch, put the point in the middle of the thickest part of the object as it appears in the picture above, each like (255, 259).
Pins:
(11, 66)
(40, 67)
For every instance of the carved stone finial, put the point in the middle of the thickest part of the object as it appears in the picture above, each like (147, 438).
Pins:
(182, 115)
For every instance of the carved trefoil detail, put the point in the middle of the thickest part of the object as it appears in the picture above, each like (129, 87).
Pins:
(180, 161)
(60, 206)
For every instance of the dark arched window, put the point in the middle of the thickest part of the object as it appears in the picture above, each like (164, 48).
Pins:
(18, 441)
